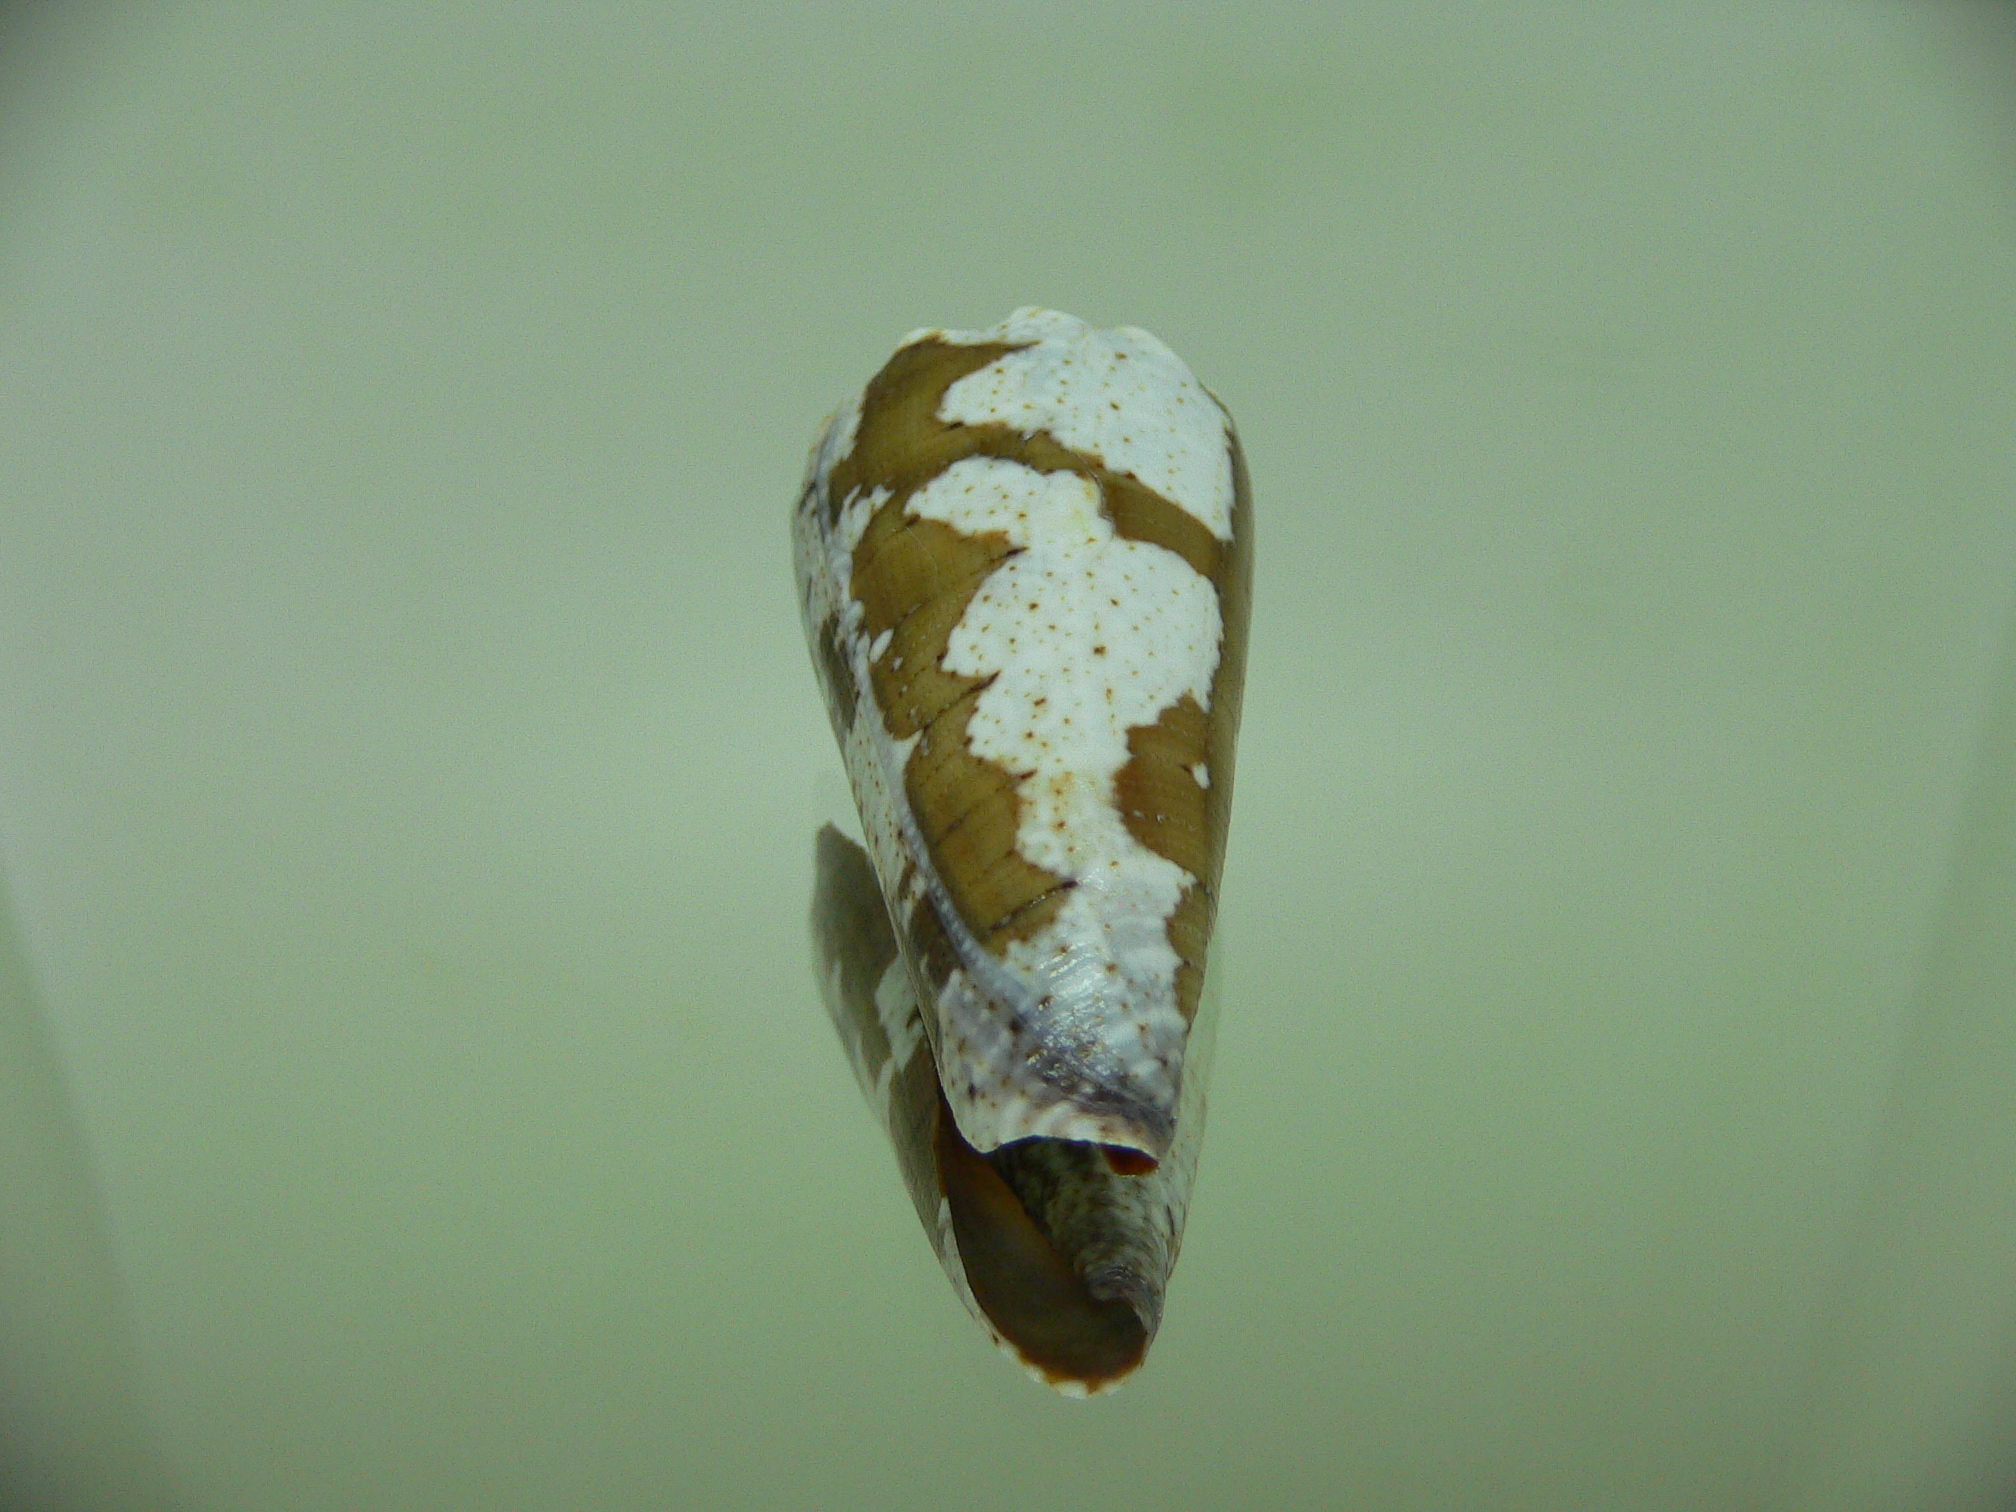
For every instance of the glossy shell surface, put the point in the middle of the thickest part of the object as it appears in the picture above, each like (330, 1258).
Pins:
(1023, 559)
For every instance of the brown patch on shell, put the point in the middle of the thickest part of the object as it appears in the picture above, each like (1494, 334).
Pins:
(1159, 798)
(1190, 937)
(968, 810)
(914, 579)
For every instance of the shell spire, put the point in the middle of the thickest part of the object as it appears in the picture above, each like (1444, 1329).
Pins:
(1023, 559)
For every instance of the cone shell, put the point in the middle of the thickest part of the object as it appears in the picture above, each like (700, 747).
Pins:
(1023, 559)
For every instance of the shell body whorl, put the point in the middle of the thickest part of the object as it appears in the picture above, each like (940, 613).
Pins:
(1023, 558)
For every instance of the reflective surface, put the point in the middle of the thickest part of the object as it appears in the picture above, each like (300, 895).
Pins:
(408, 758)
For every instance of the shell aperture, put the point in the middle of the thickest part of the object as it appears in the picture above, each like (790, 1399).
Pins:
(1023, 560)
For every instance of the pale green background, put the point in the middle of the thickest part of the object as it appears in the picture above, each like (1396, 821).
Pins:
(415, 1091)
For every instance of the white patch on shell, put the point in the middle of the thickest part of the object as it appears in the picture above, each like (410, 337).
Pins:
(902, 1026)
(841, 432)
(1118, 395)
(855, 514)
(835, 442)
(1201, 775)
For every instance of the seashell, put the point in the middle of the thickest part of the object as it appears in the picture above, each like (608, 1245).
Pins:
(1024, 557)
